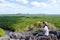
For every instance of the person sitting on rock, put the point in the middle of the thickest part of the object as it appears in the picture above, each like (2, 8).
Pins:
(45, 29)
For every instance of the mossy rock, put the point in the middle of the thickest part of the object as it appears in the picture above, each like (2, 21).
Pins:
(1, 32)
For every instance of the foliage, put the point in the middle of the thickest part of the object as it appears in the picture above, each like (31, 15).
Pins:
(19, 22)
(1, 32)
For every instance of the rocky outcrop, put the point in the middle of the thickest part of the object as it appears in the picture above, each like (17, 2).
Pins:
(29, 35)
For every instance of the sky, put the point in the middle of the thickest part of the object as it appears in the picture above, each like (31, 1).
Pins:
(30, 6)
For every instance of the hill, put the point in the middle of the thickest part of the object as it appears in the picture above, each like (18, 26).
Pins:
(20, 21)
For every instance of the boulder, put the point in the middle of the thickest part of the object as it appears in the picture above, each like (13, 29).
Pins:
(55, 32)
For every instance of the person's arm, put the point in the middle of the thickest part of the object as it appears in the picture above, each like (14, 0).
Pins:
(41, 28)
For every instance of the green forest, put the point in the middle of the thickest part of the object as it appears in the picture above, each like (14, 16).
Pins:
(15, 22)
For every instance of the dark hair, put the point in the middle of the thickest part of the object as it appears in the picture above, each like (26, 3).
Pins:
(45, 23)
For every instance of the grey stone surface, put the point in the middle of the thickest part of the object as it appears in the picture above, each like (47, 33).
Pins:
(28, 35)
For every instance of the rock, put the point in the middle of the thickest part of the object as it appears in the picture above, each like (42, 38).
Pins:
(6, 37)
(14, 39)
(53, 37)
(28, 35)
(58, 34)
(15, 35)
(43, 38)
(55, 32)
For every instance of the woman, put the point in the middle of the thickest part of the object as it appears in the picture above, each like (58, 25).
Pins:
(45, 29)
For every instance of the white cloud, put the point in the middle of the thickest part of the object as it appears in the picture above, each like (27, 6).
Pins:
(8, 7)
(8, 4)
(39, 4)
(2, 0)
(43, 7)
(23, 1)
(52, 1)
(49, 3)
(44, 4)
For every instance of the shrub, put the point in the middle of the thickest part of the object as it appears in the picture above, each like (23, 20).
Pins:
(38, 25)
(1, 32)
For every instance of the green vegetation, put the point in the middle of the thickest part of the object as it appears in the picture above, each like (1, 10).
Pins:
(19, 21)
(1, 32)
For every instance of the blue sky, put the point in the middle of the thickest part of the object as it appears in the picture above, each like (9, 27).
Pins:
(30, 6)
